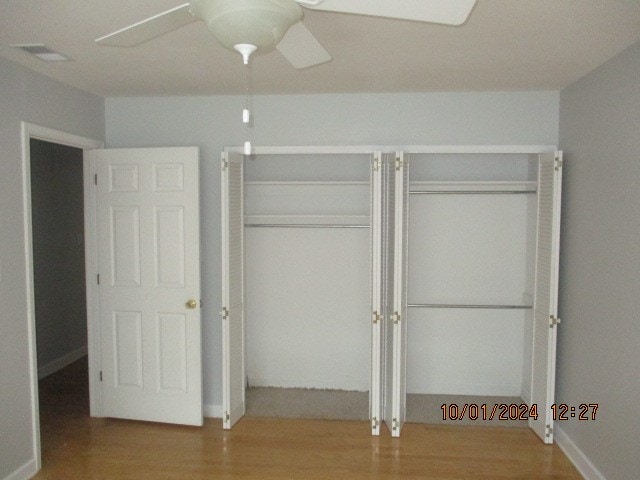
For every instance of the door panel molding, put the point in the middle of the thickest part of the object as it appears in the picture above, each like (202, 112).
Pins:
(148, 258)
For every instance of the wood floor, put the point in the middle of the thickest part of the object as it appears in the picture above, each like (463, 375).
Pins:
(75, 446)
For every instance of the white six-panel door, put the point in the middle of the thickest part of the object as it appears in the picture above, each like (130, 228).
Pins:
(233, 338)
(149, 284)
(545, 308)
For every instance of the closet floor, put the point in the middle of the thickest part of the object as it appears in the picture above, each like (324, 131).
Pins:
(307, 403)
(350, 405)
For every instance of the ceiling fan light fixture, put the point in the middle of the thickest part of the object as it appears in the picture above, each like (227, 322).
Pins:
(245, 49)
(262, 23)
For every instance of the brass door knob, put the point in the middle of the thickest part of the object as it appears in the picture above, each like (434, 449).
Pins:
(191, 304)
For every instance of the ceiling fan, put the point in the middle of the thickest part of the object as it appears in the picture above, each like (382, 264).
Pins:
(250, 25)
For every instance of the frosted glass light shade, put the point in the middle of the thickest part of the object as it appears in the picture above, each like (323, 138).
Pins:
(262, 23)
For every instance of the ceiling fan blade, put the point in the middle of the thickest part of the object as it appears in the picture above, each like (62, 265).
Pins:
(448, 12)
(301, 48)
(150, 28)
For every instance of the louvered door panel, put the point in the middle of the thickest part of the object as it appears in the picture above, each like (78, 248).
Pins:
(233, 344)
(546, 290)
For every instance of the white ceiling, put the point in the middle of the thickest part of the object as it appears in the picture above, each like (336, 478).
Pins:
(505, 45)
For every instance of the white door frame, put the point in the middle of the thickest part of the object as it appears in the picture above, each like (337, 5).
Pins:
(30, 131)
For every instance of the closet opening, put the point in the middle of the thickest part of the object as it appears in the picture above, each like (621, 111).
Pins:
(307, 284)
(470, 286)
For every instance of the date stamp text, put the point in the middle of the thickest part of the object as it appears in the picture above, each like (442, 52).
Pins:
(516, 411)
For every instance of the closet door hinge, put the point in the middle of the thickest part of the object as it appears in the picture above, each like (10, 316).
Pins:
(100, 375)
(226, 416)
(398, 161)
(557, 162)
(396, 318)
(98, 279)
(374, 423)
(223, 163)
(224, 313)
(376, 317)
(95, 179)
(548, 431)
(396, 424)
(553, 321)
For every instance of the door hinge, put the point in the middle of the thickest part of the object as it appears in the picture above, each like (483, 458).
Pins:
(100, 375)
(553, 321)
(398, 161)
(225, 313)
(376, 317)
(557, 162)
(374, 423)
(226, 416)
(224, 163)
(396, 318)
(98, 278)
(95, 178)
(396, 424)
(548, 431)
(376, 162)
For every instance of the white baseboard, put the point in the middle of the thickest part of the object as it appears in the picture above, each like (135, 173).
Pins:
(212, 411)
(577, 456)
(25, 472)
(61, 362)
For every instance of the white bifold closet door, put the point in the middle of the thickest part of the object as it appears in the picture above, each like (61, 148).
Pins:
(545, 298)
(396, 343)
(545, 309)
(233, 341)
(233, 303)
(378, 176)
(388, 236)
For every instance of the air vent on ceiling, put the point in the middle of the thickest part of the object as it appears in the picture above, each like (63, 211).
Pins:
(42, 52)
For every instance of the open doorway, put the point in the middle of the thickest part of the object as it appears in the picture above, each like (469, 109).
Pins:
(57, 213)
(36, 137)
(57, 218)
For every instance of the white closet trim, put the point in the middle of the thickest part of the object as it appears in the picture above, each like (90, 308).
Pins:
(332, 150)
(306, 150)
(480, 149)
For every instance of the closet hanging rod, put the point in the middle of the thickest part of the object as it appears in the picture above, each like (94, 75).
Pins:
(489, 307)
(302, 225)
(471, 192)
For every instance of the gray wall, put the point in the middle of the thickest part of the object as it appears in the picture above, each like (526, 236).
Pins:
(599, 338)
(383, 119)
(58, 251)
(25, 96)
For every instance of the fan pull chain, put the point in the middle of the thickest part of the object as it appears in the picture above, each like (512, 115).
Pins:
(246, 112)
(246, 49)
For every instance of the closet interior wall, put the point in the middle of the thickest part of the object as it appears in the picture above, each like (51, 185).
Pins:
(307, 260)
(472, 233)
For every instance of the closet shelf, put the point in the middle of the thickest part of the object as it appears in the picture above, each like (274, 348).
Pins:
(476, 188)
(302, 225)
(453, 305)
(306, 221)
(296, 183)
